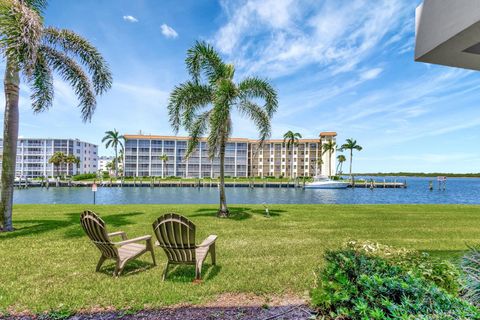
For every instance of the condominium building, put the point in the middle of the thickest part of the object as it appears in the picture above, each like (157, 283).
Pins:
(33, 155)
(103, 161)
(243, 157)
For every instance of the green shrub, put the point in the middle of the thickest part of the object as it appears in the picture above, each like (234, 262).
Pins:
(471, 275)
(354, 285)
(84, 176)
(443, 273)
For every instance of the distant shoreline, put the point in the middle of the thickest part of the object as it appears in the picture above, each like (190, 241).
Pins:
(420, 174)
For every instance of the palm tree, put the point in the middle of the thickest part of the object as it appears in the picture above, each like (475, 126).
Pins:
(57, 159)
(71, 159)
(114, 139)
(341, 159)
(330, 148)
(212, 84)
(291, 140)
(319, 165)
(164, 159)
(351, 144)
(34, 52)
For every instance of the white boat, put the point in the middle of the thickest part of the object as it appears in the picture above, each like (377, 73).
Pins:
(323, 182)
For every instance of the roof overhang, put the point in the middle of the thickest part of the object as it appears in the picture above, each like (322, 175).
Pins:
(448, 33)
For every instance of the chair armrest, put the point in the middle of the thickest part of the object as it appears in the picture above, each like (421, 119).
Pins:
(118, 233)
(208, 241)
(144, 238)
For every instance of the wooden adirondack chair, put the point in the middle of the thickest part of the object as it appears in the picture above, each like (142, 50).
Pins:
(122, 251)
(176, 236)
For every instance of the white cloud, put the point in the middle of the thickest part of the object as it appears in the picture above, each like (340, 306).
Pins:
(371, 74)
(130, 18)
(278, 37)
(168, 31)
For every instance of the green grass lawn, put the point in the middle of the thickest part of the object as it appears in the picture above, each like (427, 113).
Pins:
(49, 264)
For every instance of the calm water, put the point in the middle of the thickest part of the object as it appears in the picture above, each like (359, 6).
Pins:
(459, 191)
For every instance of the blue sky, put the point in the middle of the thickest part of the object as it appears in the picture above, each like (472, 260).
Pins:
(344, 66)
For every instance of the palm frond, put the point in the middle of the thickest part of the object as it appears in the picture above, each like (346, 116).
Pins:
(256, 88)
(21, 29)
(259, 117)
(184, 102)
(70, 71)
(196, 130)
(72, 43)
(203, 57)
(37, 5)
(41, 85)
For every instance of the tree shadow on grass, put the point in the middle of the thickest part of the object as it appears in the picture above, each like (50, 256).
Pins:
(68, 221)
(237, 213)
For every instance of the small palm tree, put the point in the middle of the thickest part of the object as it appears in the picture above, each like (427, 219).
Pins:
(351, 144)
(114, 139)
(57, 159)
(341, 159)
(319, 165)
(212, 84)
(291, 139)
(164, 159)
(71, 159)
(33, 52)
(329, 148)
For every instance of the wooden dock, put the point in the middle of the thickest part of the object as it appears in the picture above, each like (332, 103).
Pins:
(206, 184)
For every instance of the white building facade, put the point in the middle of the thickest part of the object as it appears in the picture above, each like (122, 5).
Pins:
(33, 155)
(243, 158)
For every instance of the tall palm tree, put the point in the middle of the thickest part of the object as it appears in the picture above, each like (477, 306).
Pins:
(212, 85)
(341, 159)
(33, 52)
(164, 159)
(351, 144)
(330, 148)
(57, 159)
(114, 139)
(291, 139)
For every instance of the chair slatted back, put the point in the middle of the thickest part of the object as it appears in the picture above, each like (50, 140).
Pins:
(176, 236)
(95, 229)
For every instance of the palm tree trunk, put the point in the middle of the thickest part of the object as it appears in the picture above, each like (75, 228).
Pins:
(291, 165)
(116, 162)
(330, 163)
(223, 211)
(10, 137)
(351, 155)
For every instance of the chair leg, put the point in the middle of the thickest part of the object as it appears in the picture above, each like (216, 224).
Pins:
(100, 262)
(212, 254)
(119, 267)
(150, 248)
(198, 271)
(164, 275)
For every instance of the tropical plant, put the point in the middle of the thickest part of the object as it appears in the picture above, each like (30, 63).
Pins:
(340, 159)
(351, 144)
(319, 165)
(212, 84)
(114, 139)
(471, 270)
(164, 159)
(329, 148)
(290, 139)
(35, 52)
(354, 285)
(57, 159)
(71, 159)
